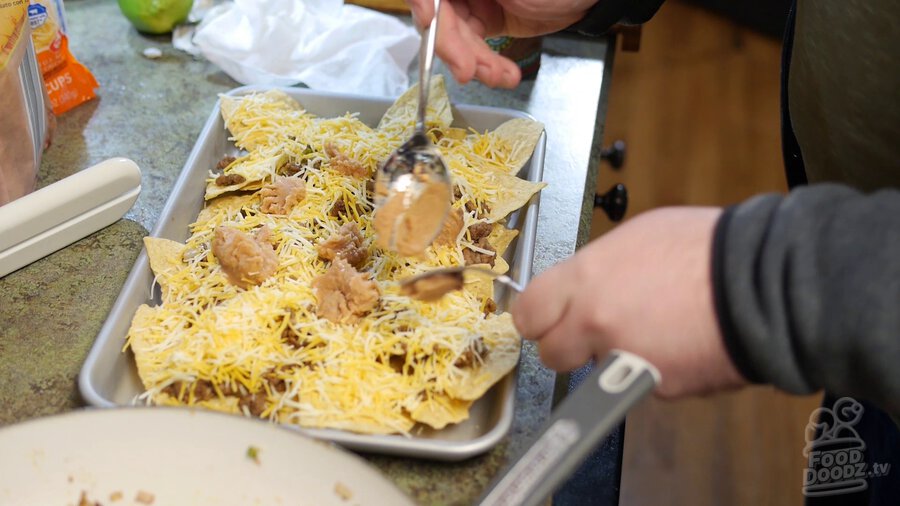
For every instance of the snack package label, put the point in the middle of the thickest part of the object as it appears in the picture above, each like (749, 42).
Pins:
(12, 17)
(47, 34)
(68, 82)
(37, 14)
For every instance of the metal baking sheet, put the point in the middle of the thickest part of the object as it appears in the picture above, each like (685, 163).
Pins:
(109, 376)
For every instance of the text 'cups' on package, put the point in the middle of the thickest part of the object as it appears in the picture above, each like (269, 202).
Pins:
(68, 82)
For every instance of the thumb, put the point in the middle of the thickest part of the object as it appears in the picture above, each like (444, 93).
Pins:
(544, 302)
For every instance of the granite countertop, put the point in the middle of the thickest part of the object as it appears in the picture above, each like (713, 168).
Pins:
(152, 111)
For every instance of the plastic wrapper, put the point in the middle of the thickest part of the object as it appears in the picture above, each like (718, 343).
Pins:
(68, 82)
(323, 44)
(25, 118)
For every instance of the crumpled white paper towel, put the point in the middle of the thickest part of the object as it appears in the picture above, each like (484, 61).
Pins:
(323, 44)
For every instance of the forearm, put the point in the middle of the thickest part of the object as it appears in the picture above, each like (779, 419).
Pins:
(807, 291)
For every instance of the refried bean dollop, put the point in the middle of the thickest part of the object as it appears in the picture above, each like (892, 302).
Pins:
(452, 227)
(246, 259)
(346, 244)
(343, 163)
(344, 294)
(282, 195)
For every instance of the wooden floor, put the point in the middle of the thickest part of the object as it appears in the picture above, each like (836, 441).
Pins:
(698, 106)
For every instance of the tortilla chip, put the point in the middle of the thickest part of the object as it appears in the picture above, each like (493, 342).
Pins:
(513, 194)
(228, 106)
(359, 424)
(456, 134)
(500, 238)
(273, 100)
(140, 334)
(522, 135)
(354, 419)
(228, 205)
(501, 266)
(479, 284)
(504, 344)
(255, 168)
(144, 317)
(273, 104)
(438, 411)
(166, 256)
(213, 191)
(400, 118)
(224, 404)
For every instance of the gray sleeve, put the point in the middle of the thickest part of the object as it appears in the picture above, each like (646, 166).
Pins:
(807, 291)
(606, 13)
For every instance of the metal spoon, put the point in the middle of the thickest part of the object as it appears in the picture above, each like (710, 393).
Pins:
(412, 188)
(434, 284)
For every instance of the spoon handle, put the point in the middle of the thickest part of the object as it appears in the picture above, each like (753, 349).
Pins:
(426, 58)
(508, 281)
(575, 427)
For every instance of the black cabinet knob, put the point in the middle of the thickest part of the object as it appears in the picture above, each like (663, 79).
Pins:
(614, 202)
(614, 154)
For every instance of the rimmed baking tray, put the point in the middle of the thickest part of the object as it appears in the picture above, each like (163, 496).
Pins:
(109, 376)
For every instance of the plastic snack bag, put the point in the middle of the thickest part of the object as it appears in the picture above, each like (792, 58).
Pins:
(25, 118)
(68, 82)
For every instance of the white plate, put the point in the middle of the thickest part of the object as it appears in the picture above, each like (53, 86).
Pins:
(181, 457)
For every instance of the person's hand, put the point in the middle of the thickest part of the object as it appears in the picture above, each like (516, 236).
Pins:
(464, 24)
(644, 287)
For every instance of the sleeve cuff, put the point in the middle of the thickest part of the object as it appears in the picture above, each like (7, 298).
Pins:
(739, 356)
(606, 13)
(599, 18)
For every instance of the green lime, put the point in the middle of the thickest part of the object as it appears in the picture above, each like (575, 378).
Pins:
(156, 16)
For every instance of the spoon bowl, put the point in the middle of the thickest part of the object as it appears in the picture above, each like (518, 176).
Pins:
(412, 187)
(431, 285)
(409, 169)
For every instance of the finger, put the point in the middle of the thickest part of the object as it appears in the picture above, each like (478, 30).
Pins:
(495, 70)
(455, 45)
(563, 348)
(491, 68)
(485, 65)
(543, 303)
(461, 46)
(422, 11)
